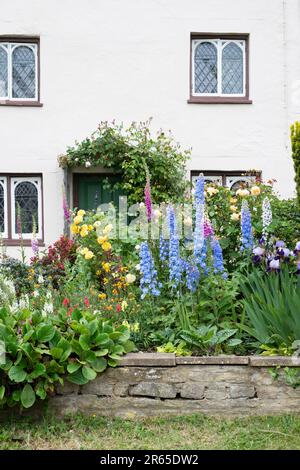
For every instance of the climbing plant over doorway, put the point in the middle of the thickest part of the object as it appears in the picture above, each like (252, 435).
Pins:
(125, 150)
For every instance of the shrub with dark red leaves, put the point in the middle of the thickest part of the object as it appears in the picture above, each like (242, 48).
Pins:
(51, 265)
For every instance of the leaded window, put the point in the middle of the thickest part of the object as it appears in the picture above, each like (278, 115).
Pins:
(20, 207)
(219, 67)
(18, 71)
(26, 206)
(231, 179)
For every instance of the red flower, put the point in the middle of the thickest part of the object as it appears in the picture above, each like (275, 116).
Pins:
(86, 302)
(70, 311)
(118, 308)
(66, 302)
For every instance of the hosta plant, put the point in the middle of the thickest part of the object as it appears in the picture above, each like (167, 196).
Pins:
(41, 351)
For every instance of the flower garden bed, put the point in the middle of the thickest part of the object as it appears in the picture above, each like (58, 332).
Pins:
(206, 273)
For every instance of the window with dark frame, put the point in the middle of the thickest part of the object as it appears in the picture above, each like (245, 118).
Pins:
(219, 69)
(19, 71)
(21, 210)
(230, 179)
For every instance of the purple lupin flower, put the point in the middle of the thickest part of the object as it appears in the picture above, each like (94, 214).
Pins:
(208, 228)
(35, 246)
(67, 212)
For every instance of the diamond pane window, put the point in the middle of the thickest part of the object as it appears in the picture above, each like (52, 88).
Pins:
(206, 68)
(2, 207)
(23, 72)
(220, 68)
(3, 72)
(26, 206)
(232, 69)
(19, 70)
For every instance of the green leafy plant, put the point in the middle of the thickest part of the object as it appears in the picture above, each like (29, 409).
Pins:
(126, 151)
(179, 349)
(41, 352)
(272, 303)
(295, 139)
(208, 339)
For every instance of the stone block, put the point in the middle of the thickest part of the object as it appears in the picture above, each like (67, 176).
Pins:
(98, 387)
(67, 389)
(152, 389)
(192, 390)
(121, 389)
(230, 359)
(242, 391)
(148, 359)
(273, 361)
(216, 393)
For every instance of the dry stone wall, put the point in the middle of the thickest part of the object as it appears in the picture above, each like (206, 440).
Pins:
(150, 384)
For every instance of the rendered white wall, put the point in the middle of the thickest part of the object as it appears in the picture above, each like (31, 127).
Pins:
(129, 60)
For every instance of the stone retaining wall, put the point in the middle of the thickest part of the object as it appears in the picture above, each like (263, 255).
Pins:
(150, 384)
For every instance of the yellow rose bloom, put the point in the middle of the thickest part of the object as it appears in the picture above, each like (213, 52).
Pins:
(106, 246)
(81, 212)
(90, 228)
(233, 208)
(84, 250)
(242, 192)
(78, 219)
(233, 200)
(83, 233)
(255, 190)
(107, 229)
(101, 240)
(74, 229)
(106, 267)
(89, 255)
(102, 296)
(235, 216)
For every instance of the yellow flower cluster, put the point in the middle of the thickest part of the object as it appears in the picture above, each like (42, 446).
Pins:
(88, 254)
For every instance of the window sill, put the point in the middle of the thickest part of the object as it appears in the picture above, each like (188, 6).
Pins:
(25, 243)
(36, 104)
(218, 100)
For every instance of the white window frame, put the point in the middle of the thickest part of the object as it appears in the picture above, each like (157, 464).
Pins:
(209, 179)
(219, 44)
(9, 47)
(3, 183)
(37, 181)
(231, 180)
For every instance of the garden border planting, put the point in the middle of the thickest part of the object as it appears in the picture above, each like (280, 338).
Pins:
(154, 384)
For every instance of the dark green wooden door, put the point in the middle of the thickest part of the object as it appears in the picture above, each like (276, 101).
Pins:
(94, 190)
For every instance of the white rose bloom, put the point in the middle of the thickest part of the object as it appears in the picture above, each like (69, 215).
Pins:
(130, 278)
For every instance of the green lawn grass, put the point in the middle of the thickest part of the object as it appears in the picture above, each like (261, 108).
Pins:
(185, 432)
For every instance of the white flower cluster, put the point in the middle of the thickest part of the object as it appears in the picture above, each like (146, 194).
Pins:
(266, 217)
(7, 292)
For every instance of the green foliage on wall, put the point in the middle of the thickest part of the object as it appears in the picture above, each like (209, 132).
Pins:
(295, 139)
(125, 151)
